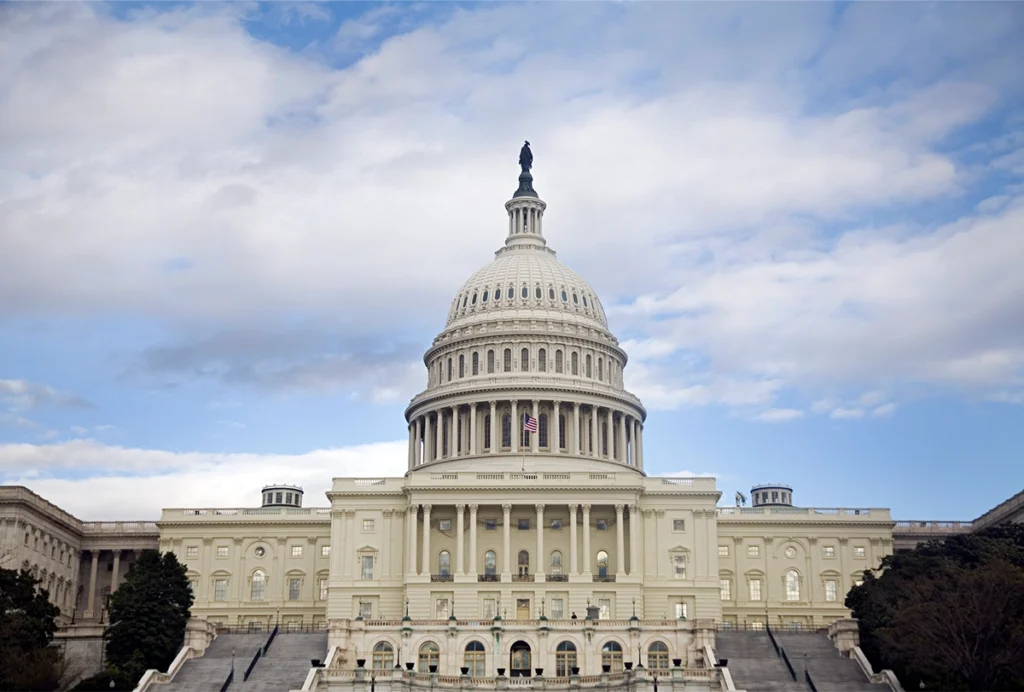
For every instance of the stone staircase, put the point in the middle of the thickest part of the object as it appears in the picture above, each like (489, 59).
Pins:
(208, 673)
(286, 664)
(753, 663)
(830, 671)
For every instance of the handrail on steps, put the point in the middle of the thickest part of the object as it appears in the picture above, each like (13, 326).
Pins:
(788, 664)
(231, 677)
(771, 636)
(810, 683)
(270, 639)
(262, 651)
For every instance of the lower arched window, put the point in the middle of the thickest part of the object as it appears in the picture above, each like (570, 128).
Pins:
(611, 655)
(565, 659)
(490, 362)
(476, 659)
(602, 563)
(259, 585)
(524, 360)
(588, 372)
(462, 365)
(430, 655)
(657, 655)
(523, 562)
(556, 562)
(506, 430)
(449, 369)
(487, 431)
(561, 432)
(476, 363)
(508, 360)
(542, 360)
(444, 563)
(600, 369)
(558, 360)
(792, 585)
(542, 430)
(575, 363)
(383, 656)
(490, 563)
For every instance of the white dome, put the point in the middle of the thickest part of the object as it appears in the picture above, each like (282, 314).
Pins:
(526, 283)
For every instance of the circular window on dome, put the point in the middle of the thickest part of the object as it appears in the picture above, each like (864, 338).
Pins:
(575, 299)
(511, 293)
(526, 292)
(484, 300)
(259, 552)
(565, 298)
(551, 293)
(537, 293)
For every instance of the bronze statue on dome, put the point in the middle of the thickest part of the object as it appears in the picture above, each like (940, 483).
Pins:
(526, 158)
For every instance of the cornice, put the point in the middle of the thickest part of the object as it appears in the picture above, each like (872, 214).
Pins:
(470, 393)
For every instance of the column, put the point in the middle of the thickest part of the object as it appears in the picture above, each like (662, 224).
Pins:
(460, 529)
(115, 574)
(610, 434)
(573, 545)
(472, 428)
(640, 444)
(555, 429)
(385, 553)
(515, 426)
(412, 537)
(541, 561)
(90, 606)
(633, 432)
(595, 425)
(348, 556)
(495, 442)
(620, 449)
(419, 435)
(439, 435)
(586, 539)
(472, 537)
(506, 565)
(620, 543)
(453, 434)
(427, 425)
(576, 428)
(634, 537)
(535, 437)
(426, 541)
(409, 458)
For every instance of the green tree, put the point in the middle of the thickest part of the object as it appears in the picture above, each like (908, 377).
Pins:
(949, 614)
(148, 614)
(27, 624)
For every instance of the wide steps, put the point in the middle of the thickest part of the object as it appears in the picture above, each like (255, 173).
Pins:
(829, 669)
(208, 672)
(754, 664)
(286, 664)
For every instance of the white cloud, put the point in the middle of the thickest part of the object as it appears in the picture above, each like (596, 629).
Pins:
(144, 481)
(883, 410)
(23, 395)
(779, 415)
(847, 413)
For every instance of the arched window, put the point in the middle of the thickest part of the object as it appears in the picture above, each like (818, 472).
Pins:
(657, 655)
(600, 369)
(537, 292)
(565, 659)
(506, 430)
(444, 563)
(258, 587)
(444, 436)
(484, 298)
(542, 430)
(449, 369)
(476, 363)
(602, 562)
(558, 360)
(524, 360)
(561, 431)
(523, 563)
(511, 293)
(490, 563)
(611, 655)
(542, 360)
(383, 656)
(589, 373)
(476, 659)
(792, 585)
(490, 362)
(487, 431)
(462, 366)
(551, 293)
(526, 291)
(575, 363)
(430, 655)
(508, 360)
(604, 438)
(473, 302)
(556, 561)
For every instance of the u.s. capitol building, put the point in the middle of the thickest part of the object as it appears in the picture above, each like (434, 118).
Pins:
(525, 534)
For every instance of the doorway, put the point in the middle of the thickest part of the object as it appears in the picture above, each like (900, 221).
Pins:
(519, 660)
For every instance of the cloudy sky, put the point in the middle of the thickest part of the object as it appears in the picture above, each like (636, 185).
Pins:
(229, 231)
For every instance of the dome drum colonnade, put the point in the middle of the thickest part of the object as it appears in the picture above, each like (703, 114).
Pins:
(482, 385)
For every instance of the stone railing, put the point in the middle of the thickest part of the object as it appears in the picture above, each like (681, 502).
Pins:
(417, 680)
(933, 527)
(119, 527)
(815, 513)
(317, 514)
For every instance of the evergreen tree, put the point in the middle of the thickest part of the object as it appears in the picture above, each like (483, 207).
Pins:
(27, 624)
(148, 614)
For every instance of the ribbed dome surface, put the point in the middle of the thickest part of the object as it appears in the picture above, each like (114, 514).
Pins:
(526, 283)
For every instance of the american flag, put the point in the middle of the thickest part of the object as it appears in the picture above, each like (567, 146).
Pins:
(531, 424)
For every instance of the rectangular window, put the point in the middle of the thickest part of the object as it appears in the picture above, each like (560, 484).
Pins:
(488, 610)
(680, 611)
(220, 589)
(325, 551)
(725, 587)
(831, 590)
(753, 551)
(490, 524)
(366, 609)
(556, 524)
(367, 525)
(222, 551)
(192, 551)
(367, 563)
(296, 551)
(277, 498)
(441, 609)
(444, 525)
(859, 551)
(828, 551)
(602, 524)
(679, 525)
(323, 589)
(557, 609)
(755, 589)
(294, 588)
(604, 606)
(523, 524)
(723, 551)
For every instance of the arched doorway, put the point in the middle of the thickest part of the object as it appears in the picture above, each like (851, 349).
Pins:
(519, 660)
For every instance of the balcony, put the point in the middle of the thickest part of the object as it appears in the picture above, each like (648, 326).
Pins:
(488, 577)
(606, 579)
(522, 577)
(441, 577)
(556, 577)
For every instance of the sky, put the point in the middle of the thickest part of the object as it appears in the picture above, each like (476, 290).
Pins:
(228, 232)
